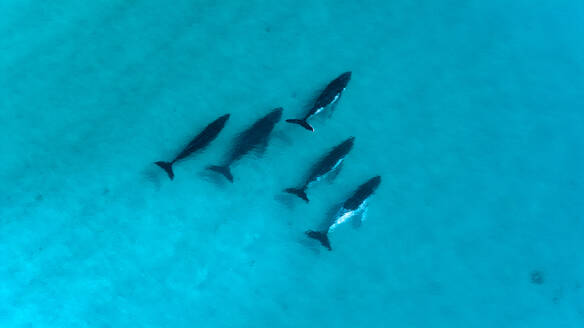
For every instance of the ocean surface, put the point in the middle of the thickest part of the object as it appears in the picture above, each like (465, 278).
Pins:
(471, 111)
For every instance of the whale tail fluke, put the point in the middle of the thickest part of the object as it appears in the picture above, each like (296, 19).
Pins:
(302, 123)
(320, 236)
(223, 170)
(166, 166)
(300, 192)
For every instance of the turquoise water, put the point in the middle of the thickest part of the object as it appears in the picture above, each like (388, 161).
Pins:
(471, 111)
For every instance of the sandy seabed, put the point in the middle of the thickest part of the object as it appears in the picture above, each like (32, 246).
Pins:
(471, 112)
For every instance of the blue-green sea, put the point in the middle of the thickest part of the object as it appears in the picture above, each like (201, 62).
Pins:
(471, 111)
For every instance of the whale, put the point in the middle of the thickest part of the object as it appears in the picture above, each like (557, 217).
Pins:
(198, 143)
(327, 98)
(329, 163)
(255, 138)
(354, 206)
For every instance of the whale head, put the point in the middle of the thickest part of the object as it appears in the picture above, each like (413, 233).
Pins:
(275, 115)
(344, 78)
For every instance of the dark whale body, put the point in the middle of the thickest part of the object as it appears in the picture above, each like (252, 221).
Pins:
(255, 137)
(362, 193)
(328, 163)
(330, 95)
(201, 141)
(354, 205)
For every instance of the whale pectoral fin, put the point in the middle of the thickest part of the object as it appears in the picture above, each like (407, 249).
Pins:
(331, 110)
(333, 105)
(359, 218)
(334, 173)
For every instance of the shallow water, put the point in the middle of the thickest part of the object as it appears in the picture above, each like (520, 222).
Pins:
(470, 111)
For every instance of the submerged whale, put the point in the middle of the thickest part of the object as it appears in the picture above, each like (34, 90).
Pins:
(356, 205)
(201, 141)
(329, 96)
(326, 165)
(255, 137)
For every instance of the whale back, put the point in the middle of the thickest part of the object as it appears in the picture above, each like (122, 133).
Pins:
(257, 135)
(362, 193)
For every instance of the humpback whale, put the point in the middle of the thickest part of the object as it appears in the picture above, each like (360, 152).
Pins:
(356, 205)
(201, 141)
(255, 137)
(327, 164)
(330, 95)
